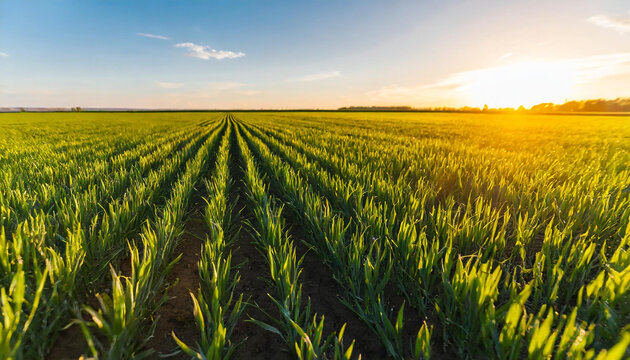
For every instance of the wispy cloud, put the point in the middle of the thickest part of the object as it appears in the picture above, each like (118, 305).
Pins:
(233, 87)
(619, 23)
(206, 52)
(248, 92)
(153, 36)
(227, 85)
(3, 54)
(168, 85)
(505, 56)
(318, 76)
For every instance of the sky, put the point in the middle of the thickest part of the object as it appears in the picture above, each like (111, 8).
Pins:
(311, 53)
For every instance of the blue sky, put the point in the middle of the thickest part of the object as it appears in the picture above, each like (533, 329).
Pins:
(305, 54)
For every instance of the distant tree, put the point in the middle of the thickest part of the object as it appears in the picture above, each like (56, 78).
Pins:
(570, 106)
(542, 107)
(470, 109)
(22, 110)
(485, 108)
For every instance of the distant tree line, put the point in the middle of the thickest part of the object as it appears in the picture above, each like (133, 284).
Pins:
(378, 108)
(596, 105)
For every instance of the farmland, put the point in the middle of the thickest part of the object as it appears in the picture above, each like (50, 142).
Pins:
(314, 235)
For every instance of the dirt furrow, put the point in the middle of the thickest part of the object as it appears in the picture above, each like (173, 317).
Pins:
(257, 343)
(176, 315)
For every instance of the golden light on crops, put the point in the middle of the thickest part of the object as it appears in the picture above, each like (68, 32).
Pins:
(519, 84)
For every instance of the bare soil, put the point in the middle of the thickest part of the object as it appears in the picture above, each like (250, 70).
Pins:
(324, 292)
(257, 343)
(176, 315)
(70, 344)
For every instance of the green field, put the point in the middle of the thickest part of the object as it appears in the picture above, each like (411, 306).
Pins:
(314, 235)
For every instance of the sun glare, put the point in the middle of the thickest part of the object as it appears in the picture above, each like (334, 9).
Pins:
(519, 84)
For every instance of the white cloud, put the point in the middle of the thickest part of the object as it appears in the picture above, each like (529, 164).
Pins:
(318, 76)
(153, 36)
(206, 52)
(618, 23)
(168, 85)
(3, 54)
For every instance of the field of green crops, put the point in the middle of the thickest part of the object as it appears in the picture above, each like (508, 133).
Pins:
(314, 235)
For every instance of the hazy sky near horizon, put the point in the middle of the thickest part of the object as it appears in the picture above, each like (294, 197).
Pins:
(311, 53)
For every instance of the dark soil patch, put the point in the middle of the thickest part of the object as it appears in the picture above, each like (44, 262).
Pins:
(176, 315)
(257, 342)
(70, 344)
(324, 293)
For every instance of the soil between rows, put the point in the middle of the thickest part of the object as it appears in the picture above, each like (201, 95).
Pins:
(324, 293)
(176, 315)
(255, 342)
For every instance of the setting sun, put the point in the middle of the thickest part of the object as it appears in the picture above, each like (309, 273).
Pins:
(519, 84)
